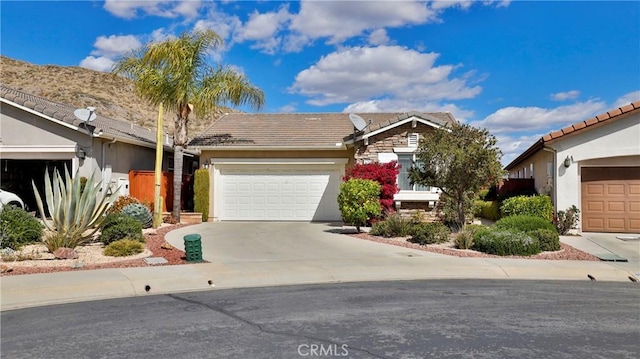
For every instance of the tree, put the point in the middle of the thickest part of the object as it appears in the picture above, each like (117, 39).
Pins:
(175, 73)
(460, 160)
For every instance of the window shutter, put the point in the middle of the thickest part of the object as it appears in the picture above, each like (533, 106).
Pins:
(413, 140)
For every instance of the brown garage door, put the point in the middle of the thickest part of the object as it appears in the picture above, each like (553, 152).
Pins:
(611, 199)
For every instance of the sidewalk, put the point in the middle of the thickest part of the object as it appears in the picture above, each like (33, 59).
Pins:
(227, 272)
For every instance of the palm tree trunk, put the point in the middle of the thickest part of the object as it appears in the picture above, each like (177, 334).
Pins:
(178, 160)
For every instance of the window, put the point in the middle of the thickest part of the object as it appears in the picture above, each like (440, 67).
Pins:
(406, 161)
(531, 170)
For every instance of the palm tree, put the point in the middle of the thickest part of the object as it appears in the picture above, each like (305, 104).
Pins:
(175, 73)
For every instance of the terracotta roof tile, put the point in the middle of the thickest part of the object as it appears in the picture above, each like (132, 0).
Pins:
(606, 117)
(591, 121)
(579, 125)
(568, 129)
(556, 134)
(615, 112)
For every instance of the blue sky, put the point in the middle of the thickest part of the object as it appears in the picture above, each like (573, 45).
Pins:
(520, 69)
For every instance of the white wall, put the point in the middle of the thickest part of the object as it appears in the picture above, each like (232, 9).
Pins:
(613, 144)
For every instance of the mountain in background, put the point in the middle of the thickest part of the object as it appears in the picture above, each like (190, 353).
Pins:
(112, 97)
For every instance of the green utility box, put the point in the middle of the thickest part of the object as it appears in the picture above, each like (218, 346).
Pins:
(193, 247)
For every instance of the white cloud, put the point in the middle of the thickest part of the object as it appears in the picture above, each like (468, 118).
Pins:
(115, 45)
(445, 4)
(101, 63)
(129, 9)
(263, 28)
(378, 37)
(290, 108)
(513, 146)
(385, 72)
(520, 119)
(340, 20)
(563, 96)
(106, 49)
(627, 99)
(223, 24)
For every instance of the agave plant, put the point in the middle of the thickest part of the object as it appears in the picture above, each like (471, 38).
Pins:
(76, 213)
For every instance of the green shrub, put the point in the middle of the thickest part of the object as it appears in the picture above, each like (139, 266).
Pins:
(474, 228)
(140, 212)
(358, 201)
(567, 220)
(17, 228)
(482, 195)
(201, 193)
(524, 223)
(549, 240)
(393, 226)
(486, 209)
(505, 243)
(430, 233)
(123, 248)
(120, 226)
(463, 239)
(538, 206)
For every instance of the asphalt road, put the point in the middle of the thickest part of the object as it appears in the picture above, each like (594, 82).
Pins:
(416, 319)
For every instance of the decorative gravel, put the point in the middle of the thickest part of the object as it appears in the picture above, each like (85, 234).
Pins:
(91, 257)
(565, 253)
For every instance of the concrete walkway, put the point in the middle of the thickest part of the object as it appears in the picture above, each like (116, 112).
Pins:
(249, 255)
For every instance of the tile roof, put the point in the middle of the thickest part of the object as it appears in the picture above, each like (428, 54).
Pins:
(295, 129)
(603, 118)
(112, 128)
(599, 119)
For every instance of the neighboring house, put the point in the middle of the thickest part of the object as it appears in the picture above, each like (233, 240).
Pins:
(36, 133)
(594, 165)
(288, 167)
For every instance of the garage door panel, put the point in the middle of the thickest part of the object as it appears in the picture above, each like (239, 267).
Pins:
(269, 193)
(616, 206)
(611, 199)
(615, 190)
(595, 189)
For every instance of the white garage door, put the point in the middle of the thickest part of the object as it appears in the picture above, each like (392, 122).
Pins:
(265, 193)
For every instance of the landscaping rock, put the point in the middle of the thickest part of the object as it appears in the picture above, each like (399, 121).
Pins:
(166, 245)
(65, 253)
(5, 268)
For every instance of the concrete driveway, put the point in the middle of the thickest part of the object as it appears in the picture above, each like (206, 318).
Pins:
(231, 242)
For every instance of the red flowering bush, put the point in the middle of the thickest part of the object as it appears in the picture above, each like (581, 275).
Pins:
(383, 173)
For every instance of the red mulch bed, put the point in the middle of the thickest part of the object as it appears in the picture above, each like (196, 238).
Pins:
(153, 243)
(565, 253)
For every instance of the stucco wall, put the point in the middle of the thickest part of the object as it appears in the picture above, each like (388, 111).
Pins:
(543, 171)
(24, 135)
(612, 144)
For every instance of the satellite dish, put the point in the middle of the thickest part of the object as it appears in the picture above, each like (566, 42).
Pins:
(85, 114)
(358, 122)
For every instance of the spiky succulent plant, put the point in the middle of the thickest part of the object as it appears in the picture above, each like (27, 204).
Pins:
(76, 214)
(140, 212)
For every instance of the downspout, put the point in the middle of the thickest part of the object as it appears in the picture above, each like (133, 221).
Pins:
(555, 176)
